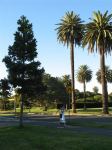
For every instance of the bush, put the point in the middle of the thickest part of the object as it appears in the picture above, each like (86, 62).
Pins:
(91, 104)
(110, 98)
(98, 98)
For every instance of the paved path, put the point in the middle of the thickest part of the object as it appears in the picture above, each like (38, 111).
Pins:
(53, 121)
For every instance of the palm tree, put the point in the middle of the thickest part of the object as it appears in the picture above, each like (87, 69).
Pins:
(84, 75)
(67, 82)
(70, 32)
(108, 75)
(98, 36)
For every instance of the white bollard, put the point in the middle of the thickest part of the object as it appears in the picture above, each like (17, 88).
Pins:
(62, 117)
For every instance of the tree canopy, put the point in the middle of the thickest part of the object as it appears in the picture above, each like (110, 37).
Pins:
(23, 68)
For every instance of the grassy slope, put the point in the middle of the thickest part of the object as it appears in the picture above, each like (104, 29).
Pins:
(42, 138)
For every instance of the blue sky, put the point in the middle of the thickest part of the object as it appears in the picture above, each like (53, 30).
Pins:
(45, 14)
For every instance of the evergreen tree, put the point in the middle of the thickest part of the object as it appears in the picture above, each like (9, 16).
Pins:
(22, 65)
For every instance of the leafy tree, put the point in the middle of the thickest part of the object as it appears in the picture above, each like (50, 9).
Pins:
(4, 91)
(95, 89)
(84, 75)
(70, 32)
(98, 36)
(110, 97)
(55, 91)
(22, 65)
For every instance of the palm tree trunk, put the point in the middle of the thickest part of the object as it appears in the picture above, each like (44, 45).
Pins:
(104, 84)
(72, 77)
(21, 112)
(84, 95)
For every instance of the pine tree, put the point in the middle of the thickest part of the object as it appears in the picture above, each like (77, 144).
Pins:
(22, 65)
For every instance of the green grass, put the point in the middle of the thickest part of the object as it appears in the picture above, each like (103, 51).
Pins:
(39, 110)
(43, 138)
(36, 110)
(92, 111)
(94, 124)
(89, 111)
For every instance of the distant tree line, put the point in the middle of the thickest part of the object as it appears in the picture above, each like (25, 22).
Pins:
(57, 91)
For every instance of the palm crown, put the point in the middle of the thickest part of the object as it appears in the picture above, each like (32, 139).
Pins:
(70, 29)
(108, 74)
(84, 74)
(99, 32)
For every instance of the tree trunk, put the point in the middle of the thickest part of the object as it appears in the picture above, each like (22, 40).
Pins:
(4, 108)
(21, 112)
(15, 105)
(84, 95)
(104, 84)
(72, 77)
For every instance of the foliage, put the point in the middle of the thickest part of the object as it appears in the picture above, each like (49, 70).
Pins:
(98, 97)
(108, 75)
(84, 74)
(22, 65)
(55, 91)
(70, 29)
(98, 33)
(95, 89)
(110, 98)
(67, 83)
(4, 92)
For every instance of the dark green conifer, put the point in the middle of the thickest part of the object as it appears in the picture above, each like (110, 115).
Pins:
(22, 65)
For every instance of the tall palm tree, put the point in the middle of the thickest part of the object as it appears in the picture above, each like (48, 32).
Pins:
(84, 75)
(98, 36)
(70, 32)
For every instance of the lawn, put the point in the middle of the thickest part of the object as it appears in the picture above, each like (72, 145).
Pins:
(89, 111)
(43, 138)
(39, 110)
(90, 123)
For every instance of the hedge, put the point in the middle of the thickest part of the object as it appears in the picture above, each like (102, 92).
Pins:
(91, 104)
